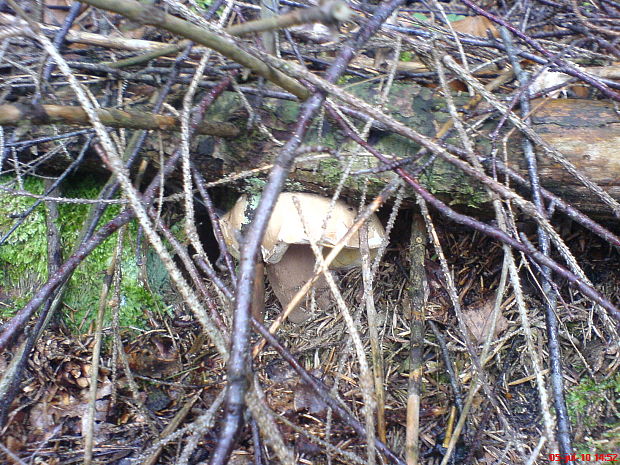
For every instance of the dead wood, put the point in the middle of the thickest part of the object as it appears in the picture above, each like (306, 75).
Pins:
(19, 114)
(586, 132)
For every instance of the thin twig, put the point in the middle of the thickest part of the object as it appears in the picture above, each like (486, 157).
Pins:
(550, 300)
(151, 15)
(113, 268)
(328, 12)
(417, 296)
(491, 231)
(321, 390)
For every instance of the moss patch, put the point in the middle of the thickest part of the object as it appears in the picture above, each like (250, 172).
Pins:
(23, 259)
(593, 407)
(23, 256)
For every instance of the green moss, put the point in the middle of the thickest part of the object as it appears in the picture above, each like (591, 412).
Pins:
(331, 170)
(329, 173)
(442, 179)
(293, 186)
(287, 112)
(21, 272)
(586, 404)
(406, 56)
(451, 17)
(254, 187)
(23, 259)
(343, 80)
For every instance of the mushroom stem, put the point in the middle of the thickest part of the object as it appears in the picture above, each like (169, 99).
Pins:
(286, 277)
(258, 295)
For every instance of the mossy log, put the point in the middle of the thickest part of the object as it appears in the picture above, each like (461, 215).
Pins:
(587, 132)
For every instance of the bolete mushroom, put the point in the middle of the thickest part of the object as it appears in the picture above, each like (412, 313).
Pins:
(287, 255)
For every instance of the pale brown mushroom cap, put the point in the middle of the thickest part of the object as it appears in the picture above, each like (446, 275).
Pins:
(287, 227)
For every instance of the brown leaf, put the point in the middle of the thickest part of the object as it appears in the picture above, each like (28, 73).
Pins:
(14, 445)
(475, 26)
(155, 357)
(41, 418)
(306, 399)
(478, 320)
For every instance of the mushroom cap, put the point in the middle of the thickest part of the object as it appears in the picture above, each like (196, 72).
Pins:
(286, 227)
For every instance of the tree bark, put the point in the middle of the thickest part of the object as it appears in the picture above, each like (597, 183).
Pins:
(16, 114)
(587, 132)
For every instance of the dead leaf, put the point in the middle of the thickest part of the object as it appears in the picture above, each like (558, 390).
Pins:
(14, 445)
(41, 418)
(478, 320)
(475, 26)
(155, 357)
(306, 399)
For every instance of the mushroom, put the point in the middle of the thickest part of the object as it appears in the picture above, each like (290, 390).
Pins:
(287, 256)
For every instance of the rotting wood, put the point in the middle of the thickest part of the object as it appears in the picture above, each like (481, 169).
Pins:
(587, 132)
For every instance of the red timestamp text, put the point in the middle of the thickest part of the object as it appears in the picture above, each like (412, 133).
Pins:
(583, 457)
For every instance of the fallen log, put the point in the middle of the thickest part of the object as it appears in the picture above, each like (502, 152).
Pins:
(586, 132)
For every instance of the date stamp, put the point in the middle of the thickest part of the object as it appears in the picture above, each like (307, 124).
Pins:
(583, 458)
